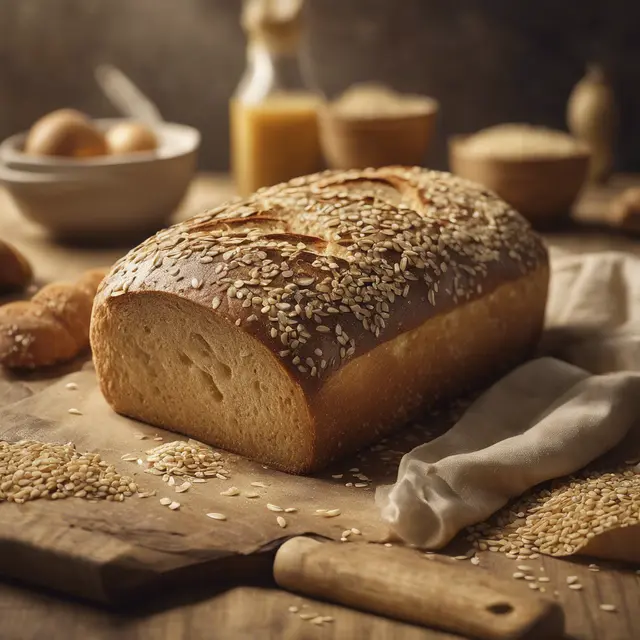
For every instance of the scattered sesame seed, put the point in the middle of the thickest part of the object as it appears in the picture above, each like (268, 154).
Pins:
(231, 491)
(165, 502)
(72, 386)
(291, 510)
(30, 470)
(251, 494)
(262, 485)
(282, 523)
(293, 609)
(575, 587)
(216, 516)
(174, 506)
(75, 412)
(560, 520)
(308, 616)
(608, 607)
(274, 507)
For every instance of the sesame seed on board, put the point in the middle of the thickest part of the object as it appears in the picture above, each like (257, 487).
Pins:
(31, 470)
(183, 460)
(559, 520)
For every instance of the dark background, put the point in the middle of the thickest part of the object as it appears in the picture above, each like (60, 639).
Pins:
(486, 61)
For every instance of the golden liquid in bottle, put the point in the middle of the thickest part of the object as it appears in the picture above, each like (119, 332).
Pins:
(274, 140)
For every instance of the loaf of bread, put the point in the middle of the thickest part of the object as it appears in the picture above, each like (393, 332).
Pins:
(310, 319)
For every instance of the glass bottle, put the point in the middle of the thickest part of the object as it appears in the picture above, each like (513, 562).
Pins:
(274, 125)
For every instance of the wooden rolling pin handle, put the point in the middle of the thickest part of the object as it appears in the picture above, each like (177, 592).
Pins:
(431, 593)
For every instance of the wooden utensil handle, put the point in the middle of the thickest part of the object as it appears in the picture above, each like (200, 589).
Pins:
(397, 584)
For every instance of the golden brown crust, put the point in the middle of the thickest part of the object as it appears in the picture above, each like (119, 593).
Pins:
(51, 328)
(325, 268)
(15, 270)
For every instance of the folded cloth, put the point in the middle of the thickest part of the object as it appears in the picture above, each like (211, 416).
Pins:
(593, 313)
(546, 419)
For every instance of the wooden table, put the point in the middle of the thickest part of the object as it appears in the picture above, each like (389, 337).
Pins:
(261, 611)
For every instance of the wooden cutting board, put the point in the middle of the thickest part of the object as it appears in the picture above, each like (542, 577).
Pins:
(109, 552)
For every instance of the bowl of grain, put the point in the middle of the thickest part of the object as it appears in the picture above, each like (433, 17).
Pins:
(538, 171)
(373, 126)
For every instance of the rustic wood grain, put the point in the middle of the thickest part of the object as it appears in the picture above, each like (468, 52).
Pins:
(257, 612)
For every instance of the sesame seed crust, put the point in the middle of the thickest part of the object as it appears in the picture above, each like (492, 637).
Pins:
(326, 267)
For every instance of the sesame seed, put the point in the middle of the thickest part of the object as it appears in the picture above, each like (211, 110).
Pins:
(72, 386)
(608, 607)
(74, 412)
(560, 520)
(216, 516)
(274, 507)
(165, 502)
(308, 616)
(231, 491)
(174, 506)
(282, 523)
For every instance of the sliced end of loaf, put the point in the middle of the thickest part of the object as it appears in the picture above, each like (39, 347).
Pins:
(170, 362)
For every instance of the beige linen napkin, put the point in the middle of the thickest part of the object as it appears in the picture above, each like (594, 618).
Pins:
(546, 419)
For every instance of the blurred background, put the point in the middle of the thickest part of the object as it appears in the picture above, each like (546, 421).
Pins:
(486, 62)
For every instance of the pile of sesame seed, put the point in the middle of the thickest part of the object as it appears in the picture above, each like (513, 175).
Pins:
(560, 520)
(31, 470)
(184, 459)
(322, 267)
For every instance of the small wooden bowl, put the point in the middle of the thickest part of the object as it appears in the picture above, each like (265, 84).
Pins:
(542, 188)
(357, 142)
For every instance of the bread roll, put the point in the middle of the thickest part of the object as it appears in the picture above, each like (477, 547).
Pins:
(65, 132)
(15, 271)
(312, 318)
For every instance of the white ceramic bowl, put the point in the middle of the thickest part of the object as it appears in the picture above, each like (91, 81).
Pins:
(102, 198)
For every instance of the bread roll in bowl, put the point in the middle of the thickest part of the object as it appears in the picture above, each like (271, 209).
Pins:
(65, 132)
(315, 316)
(130, 137)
